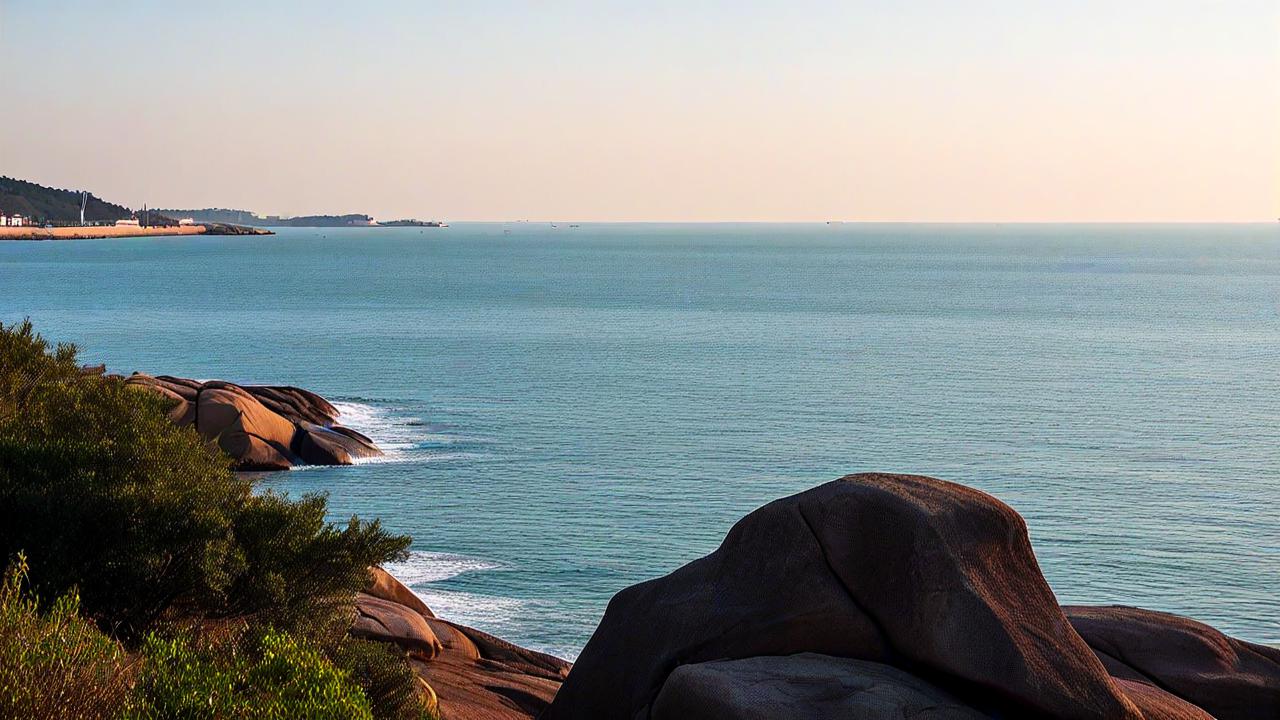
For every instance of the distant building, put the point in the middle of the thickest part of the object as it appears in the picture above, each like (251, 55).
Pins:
(14, 220)
(186, 221)
(128, 222)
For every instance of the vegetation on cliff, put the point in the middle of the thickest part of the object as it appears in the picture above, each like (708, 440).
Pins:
(48, 204)
(246, 217)
(133, 546)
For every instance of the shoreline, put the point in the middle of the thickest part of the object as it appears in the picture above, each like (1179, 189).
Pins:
(33, 233)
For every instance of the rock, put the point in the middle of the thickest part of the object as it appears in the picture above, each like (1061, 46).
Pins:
(1228, 678)
(387, 621)
(256, 437)
(318, 445)
(263, 427)
(803, 687)
(383, 585)
(296, 404)
(479, 677)
(468, 674)
(934, 580)
(925, 575)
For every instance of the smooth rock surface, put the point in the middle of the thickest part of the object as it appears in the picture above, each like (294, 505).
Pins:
(803, 687)
(932, 577)
(466, 674)
(383, 584)
(378, 619)
(935, 581)
(1228, 678)
(262, 427)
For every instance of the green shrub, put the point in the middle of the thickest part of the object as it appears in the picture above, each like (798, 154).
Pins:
(105, 494)
(140, 526)
(55, 664)
(272, 677)
(383, 672)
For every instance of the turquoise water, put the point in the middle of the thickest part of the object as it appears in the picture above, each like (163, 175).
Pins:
(570, 411)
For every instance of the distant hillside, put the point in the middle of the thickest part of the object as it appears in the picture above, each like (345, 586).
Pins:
(52, 205)
(215, 215)
(245, 217)
(320, 221)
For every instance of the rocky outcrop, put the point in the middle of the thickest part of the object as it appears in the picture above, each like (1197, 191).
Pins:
(933, 587)
(262, 427)
(1226, 677)
(467, 674)
(803, 687)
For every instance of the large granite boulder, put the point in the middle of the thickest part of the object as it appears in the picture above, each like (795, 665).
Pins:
(466, 674)
(261, 427)
(932, 578)
(803, 687)
(1228, 678)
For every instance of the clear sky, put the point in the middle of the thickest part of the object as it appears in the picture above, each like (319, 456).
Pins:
(918, 110)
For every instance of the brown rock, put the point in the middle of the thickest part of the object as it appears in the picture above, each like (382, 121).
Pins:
(478, 677)
(383, 585)
(387, 621)
(261, 427)
(803, 687)
(256, 437)
(296, 404)
(470, 675)
(317, 445)
(1230, 679)
(929, 576)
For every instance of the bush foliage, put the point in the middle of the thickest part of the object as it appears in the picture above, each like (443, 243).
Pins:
(54, 664)
(272, 677)
(140, 527)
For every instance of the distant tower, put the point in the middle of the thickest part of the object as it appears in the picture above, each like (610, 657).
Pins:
(84, 200)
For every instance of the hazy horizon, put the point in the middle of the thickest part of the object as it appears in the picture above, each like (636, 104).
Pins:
(917, 112)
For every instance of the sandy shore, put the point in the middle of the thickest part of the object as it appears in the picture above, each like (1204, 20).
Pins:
(85, 233)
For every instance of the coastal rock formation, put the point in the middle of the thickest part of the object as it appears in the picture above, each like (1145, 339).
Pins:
(1226, 677)
(934, 580)
(378, 619)
(467, 674)
(802, 687)
(262, 427)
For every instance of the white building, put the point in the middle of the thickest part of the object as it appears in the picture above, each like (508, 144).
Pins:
(186, 221)
(13, 220)
(128, 222)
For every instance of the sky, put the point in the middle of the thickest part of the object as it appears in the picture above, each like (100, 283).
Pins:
(916, 110)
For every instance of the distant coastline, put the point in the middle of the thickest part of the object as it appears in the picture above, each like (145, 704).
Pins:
(90, 232)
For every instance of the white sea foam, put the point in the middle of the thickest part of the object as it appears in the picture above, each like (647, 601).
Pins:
(390, 430)
(487, 612)
(427, 567)
(400, 435)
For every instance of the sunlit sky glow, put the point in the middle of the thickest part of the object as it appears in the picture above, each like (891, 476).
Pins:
(901, 111)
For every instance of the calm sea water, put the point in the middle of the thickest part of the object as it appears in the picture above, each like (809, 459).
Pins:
(570, 411)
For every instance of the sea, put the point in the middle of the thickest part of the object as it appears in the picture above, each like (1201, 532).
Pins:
(567, 411)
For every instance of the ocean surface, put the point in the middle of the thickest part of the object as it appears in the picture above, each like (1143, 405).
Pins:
(568, 411)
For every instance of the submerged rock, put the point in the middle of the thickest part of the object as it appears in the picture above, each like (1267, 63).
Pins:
(262, 427)
(933, 579)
